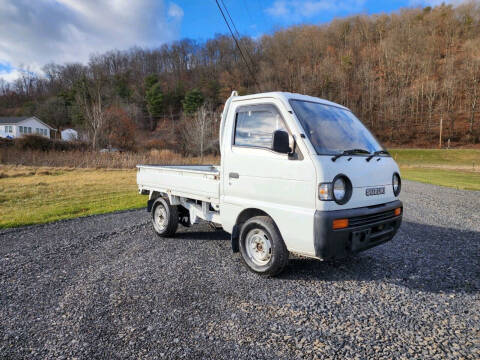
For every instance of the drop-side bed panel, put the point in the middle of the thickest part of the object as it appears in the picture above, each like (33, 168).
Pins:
(200, 182)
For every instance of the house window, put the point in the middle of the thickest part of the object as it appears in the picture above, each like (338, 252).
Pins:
(9, 129)
(29, 130)
(20, 128)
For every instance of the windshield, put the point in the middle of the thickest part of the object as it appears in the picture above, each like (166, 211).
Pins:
(331, 129)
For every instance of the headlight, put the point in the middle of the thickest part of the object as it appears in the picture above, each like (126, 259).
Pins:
(396, 184)
(340, 190)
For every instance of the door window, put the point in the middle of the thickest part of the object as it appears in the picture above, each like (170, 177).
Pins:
(255, 126)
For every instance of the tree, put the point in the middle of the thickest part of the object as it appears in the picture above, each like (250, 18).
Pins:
(91, 102)
(471, 74)
(154, 98)
(120, 129)
(53, 111)
(198, 134)
(149, 81)
(192, 101)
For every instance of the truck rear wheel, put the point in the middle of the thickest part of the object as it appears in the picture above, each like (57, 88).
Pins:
(164, 217)
(262, 246)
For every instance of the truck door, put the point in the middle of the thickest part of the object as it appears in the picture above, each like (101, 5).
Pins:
(254, 176)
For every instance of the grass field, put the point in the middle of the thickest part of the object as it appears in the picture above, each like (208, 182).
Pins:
(454, 168)
(38, 195)
(467, 159)
(33, 195)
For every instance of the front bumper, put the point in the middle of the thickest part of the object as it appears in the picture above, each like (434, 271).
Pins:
(368, 227)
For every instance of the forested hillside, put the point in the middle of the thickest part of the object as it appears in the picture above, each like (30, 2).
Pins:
(401, 73)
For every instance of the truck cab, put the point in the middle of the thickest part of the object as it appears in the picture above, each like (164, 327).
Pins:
(298, 174)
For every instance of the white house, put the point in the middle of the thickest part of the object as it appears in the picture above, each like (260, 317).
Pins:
(13, 127)
(69, 135)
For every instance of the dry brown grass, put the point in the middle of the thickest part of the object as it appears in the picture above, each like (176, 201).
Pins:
(91, 159)
(33, 195)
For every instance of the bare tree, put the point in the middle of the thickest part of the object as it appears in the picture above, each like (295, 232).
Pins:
(471, 72)
(90, 97)
(198, 133)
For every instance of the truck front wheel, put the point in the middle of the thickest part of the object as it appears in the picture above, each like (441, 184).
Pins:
(262, 246)
(164, 217)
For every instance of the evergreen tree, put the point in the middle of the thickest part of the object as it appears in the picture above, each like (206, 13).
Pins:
(192, 101)
(154, 98)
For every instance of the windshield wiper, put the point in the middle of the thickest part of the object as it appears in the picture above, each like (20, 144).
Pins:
(377, 153)
(350, 152)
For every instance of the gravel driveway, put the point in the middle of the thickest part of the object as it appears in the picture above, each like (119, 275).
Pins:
(107, 287)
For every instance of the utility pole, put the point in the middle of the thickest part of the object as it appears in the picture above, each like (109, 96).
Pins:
(441, 128)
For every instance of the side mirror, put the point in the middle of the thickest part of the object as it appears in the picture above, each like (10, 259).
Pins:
(281, 142)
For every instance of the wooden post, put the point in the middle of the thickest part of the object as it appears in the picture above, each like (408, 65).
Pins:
(441, 128)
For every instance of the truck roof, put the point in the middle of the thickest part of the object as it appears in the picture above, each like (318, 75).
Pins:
(285, 96)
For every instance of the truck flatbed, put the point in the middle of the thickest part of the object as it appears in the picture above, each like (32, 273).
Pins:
(199, 182)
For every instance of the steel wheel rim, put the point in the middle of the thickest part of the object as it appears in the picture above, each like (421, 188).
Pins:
(258, 247)
(161, 219)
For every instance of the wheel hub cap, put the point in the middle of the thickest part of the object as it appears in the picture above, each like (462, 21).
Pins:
(161, 217)
(258, 247)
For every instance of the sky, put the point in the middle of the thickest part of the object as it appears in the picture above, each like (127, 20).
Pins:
(35, 33)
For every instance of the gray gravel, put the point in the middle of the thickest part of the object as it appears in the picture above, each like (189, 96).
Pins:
(107, 287)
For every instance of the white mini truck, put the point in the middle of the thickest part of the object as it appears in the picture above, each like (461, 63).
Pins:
(297, 174)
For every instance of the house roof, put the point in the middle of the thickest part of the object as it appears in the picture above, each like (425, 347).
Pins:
(12, 119)
(18, 119)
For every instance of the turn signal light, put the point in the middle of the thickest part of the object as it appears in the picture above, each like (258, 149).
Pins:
(398, 211)
(340, 224)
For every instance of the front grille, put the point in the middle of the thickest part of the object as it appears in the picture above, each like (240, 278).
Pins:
(370, 219)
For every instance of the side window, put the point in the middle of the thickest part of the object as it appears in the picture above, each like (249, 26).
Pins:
(255, 125)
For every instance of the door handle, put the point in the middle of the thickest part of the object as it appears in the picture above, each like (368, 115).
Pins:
(233, 175)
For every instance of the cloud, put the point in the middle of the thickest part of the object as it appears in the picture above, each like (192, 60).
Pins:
(297, 10)
(10, 75)
(34, 33)
(175, 11)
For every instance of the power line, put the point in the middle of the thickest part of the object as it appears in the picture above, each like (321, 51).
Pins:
(228, 13)
(236, 31)
(238, 45)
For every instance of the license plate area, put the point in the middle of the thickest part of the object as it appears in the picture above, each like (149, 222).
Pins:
(375, 191)
(360, 239)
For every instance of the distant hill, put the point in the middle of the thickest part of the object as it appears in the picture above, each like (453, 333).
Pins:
(401, 73)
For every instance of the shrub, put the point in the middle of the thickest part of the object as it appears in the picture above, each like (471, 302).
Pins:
(34, 142)
(155, 144)
(121, 129)
(4, 143)
(41, 143)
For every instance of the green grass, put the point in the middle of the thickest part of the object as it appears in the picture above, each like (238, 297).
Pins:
(459, 158)
(39, 195)
(459, 168)
(457, 179)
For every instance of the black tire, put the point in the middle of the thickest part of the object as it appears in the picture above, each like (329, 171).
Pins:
(263, 227)
(169, 215)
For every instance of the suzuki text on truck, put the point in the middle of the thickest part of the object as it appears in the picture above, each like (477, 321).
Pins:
(297, 174)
